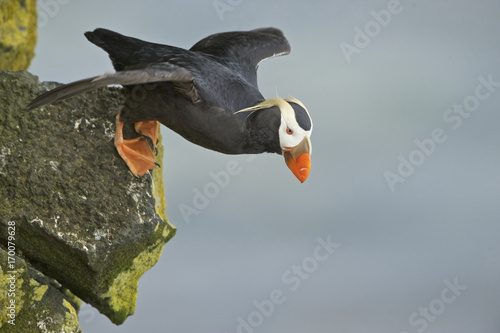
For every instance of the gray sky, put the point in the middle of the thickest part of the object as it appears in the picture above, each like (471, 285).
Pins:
(405, 176)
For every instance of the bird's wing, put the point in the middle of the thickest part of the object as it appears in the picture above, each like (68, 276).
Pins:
(244, 50)
(159, 72)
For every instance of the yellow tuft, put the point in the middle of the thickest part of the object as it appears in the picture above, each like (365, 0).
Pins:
(266, 104)
(281, 103)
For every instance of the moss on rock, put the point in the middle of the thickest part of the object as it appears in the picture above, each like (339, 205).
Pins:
(39, 306)
(82, 218)
(123, 292)
(18, 21)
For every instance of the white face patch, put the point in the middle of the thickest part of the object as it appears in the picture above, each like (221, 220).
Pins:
(290, 133)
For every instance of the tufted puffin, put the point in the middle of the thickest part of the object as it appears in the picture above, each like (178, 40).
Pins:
(207, 94)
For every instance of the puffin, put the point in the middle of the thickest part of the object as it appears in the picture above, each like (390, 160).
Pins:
(207, 94)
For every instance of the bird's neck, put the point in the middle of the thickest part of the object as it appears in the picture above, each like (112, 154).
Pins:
(262, 131)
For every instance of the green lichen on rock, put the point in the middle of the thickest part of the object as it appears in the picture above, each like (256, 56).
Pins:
(12, 293)
(18, 21)
(38, 290)
(35, 304)
(123, 291)
(158, 185)
(71, 317)
(82, 218)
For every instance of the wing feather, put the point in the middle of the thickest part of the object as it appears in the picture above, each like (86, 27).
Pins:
(244, 50)
(153, 73)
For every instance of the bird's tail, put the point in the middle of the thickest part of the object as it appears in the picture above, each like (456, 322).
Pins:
(121, 49)
(135, 60)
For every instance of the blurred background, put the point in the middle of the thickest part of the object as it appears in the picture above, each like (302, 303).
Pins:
(405, 178)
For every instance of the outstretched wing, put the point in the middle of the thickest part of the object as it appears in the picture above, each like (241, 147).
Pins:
(159, 72)
(244, 50)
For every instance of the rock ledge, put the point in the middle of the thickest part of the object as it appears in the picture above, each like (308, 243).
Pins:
(82, 219)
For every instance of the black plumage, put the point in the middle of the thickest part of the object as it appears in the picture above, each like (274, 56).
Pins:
(199, 92)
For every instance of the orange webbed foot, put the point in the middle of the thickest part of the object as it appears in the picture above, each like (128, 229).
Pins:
(137, 152)
(149, 129)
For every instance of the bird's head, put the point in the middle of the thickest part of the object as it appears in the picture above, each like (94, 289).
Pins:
(294, 132)
(294, 135)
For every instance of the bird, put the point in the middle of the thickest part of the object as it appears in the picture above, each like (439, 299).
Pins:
(207, 94)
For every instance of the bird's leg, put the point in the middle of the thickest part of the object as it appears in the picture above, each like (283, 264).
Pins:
(135, 152)
(149, 129)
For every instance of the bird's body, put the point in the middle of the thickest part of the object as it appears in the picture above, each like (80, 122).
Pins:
(207, 94)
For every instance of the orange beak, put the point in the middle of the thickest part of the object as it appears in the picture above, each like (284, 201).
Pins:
(298, 159)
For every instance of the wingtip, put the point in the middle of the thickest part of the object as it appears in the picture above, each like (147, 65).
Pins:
(33, 104)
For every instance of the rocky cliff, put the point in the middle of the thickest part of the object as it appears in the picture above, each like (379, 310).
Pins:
(73, 219)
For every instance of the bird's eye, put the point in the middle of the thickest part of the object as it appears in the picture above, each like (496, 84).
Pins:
(289, 131)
